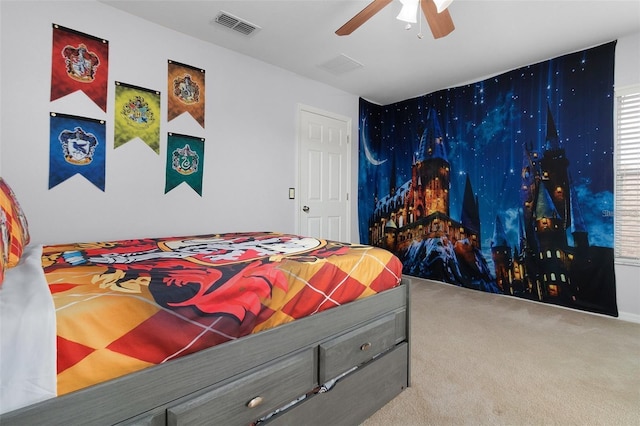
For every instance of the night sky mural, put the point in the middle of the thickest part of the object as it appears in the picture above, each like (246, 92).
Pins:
(504, 185)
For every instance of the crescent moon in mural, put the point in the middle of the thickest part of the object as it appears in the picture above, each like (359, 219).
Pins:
(367, 151)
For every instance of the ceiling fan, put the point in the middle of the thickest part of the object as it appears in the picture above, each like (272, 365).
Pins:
(435, 12)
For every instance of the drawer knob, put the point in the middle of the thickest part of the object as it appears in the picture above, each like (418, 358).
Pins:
(255, 402)
(365, 346)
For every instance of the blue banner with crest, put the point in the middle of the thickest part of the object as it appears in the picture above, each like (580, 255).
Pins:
(76, 146)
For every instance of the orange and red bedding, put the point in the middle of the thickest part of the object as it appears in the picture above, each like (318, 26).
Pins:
(122, 306)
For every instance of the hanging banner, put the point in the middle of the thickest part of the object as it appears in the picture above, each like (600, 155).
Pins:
(185, 158)
(186, 91)
(504, 185)
(137, 115)
(76, 146)
(79, 62)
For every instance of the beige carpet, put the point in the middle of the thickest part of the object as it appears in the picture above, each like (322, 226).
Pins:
(484, 359)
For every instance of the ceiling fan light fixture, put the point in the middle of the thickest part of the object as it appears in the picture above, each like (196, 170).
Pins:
(409, 11)
(442, 4)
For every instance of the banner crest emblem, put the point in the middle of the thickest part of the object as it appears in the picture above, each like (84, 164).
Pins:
(78, 146)
(185, 161)
(186, 89)
(81, 63)
(137, 112)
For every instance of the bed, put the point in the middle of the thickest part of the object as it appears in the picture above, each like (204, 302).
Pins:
(237, 328)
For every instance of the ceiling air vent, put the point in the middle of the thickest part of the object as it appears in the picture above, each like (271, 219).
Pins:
(233, 22)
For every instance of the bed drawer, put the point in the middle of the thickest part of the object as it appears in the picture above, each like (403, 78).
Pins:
(250, 397)
(356, 396)
(339, 355)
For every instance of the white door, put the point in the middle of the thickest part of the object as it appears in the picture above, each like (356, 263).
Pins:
(324, 170)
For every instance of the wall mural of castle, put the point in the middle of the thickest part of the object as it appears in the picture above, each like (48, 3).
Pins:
(504, 185)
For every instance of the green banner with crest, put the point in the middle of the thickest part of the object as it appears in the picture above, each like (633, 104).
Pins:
(185, 160)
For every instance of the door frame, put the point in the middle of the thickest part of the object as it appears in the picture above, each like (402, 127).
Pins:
(302, 108)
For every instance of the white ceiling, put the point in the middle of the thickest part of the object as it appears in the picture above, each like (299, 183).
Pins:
(491, 37)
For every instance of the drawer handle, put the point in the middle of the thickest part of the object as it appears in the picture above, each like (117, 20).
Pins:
(255, 402)
(365, 346)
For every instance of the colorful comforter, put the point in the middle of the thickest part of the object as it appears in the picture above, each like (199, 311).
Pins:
(122, 306)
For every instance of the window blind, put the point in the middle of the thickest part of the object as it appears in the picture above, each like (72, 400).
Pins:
(627, 171)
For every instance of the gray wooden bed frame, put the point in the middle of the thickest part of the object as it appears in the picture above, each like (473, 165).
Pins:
(241, 381)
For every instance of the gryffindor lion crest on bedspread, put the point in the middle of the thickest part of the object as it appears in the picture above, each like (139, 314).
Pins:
(213, 274)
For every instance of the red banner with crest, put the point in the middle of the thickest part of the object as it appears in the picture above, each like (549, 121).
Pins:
(79, 62)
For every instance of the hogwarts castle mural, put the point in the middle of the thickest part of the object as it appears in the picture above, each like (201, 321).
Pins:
(505, 185)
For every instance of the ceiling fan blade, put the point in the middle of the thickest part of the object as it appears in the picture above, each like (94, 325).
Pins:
(363, 16)
(441, 23)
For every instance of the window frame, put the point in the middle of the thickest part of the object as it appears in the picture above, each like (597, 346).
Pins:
(626, 215)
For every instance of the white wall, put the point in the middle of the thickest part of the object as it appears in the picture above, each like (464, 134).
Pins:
(250, 133)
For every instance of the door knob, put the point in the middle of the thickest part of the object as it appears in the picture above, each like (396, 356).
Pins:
(305, 209)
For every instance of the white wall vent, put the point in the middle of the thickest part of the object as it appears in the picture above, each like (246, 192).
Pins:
(233, 22)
